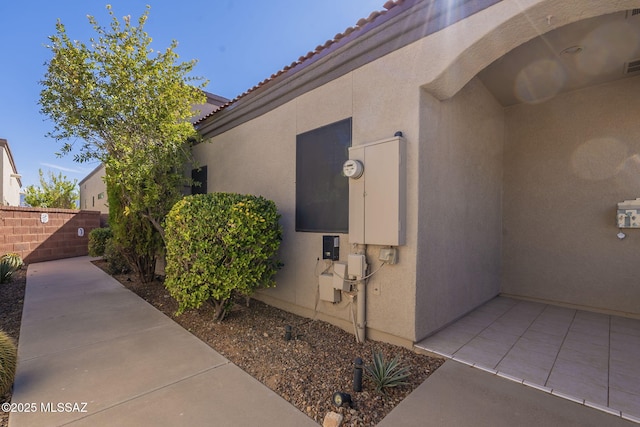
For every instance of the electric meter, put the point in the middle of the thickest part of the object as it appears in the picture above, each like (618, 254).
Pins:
(352, 169)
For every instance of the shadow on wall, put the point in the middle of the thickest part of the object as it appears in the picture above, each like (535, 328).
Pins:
(39, 234)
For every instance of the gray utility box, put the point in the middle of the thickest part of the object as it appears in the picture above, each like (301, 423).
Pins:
(377, 197)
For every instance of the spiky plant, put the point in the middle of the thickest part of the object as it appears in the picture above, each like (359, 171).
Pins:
(13, 259)
(386, 373)
(6, 271)
(8, 361)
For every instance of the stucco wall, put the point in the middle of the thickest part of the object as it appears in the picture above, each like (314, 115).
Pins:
(259, 158)
(93, 191)
(568, 162)
(10, 188)
(460, 205)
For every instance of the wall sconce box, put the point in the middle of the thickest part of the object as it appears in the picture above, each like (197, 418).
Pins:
(629, 214)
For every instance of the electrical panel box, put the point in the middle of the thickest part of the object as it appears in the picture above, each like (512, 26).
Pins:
(357, 265)
(388, 255)
(377, 198)
(339, 276)
(331, 247)
(327, 291)
(629, 214)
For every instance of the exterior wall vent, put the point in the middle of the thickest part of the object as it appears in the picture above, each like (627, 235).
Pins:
(632, 67)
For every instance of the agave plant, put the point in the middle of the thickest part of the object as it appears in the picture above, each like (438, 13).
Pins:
(386, 373)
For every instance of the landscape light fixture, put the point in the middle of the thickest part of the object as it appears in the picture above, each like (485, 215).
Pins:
(357, 374)
(341, 399)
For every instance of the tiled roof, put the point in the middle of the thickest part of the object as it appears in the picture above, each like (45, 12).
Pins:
(340, 39)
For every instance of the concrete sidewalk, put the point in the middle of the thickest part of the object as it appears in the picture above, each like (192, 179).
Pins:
(92, 353)
(458, 395)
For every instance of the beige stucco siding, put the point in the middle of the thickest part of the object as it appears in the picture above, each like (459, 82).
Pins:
(568, 162)
(259, 158)
(497, 200)
(460, 205)
(93, 191)
(10, 187)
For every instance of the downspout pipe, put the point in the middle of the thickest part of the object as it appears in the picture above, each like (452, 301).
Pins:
(361, 307)
(361, 318)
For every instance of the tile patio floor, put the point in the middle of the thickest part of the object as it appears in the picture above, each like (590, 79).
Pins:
(590, 358)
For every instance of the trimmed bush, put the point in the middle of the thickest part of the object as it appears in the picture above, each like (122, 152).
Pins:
(218, 244)
(116, 262)
(98, 238)
(8, 360)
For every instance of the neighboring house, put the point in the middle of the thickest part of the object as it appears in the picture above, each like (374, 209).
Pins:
(10, 179)
(93, 190)
(520, 137)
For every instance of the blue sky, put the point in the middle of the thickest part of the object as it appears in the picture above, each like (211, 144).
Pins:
(238, 43)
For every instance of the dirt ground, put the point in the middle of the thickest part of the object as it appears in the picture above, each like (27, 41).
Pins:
(11, 301)
(305, 370)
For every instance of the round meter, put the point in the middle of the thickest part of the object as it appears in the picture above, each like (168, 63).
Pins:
(352, 169)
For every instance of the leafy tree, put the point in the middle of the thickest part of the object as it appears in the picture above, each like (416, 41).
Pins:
(128, 107)
(56, 192)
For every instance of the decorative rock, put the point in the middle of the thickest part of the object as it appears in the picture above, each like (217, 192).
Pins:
(332, 419)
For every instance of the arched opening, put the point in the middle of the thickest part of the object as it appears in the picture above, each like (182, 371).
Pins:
(529, 140)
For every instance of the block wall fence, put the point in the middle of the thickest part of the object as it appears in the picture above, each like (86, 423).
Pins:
(42, 234)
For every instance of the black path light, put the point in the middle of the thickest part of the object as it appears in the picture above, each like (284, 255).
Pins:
(357, 374)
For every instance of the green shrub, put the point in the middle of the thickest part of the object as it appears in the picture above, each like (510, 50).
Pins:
(9, 264)
(97, 241)
(218, 244)
(116, 261)
(386, 373)
(8, 360)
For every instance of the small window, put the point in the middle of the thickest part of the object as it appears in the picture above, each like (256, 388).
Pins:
(199, 177)
(101, 196)
(322, 192)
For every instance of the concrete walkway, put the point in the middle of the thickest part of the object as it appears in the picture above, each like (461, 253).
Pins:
(99, 355)
(92, 353)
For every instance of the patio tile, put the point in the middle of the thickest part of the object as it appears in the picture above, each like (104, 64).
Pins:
(500, 336)
(557, 327)
(626, 402)
(539, 344)
(543, 337)
(520, 369)
(580, 371)
(625, 326)
(586, 338)
(621, 380)
(593, 356)
(484, 351)
(592, 326)
(578, 386)
(627, 356)
(447, 341)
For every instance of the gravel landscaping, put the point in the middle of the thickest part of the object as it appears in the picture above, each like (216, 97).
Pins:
(305, 370)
